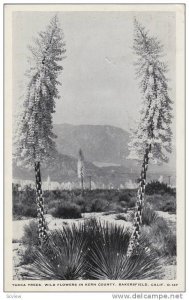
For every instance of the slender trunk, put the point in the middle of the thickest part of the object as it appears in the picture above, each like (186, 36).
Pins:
(139, 205)
(40, 205)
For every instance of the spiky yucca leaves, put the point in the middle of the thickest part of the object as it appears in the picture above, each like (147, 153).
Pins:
(110, 261)
(63, 258)
(93, 250)
(99, 233)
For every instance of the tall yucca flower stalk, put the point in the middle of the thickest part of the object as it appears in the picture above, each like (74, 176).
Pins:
(35, 142)
(81, 169)
(152, 137)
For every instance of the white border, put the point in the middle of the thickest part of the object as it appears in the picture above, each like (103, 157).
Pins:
(48, 296)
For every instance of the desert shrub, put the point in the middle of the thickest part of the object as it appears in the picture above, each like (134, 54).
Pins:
(164, 202)
(24, 204)
(28, 256)
(57, 194)
(124, 205)
(132, 202)
(64, 258)
(165, 236)
(30, 241)
(99, 205)
(124, 197)
(24, 210)
(156, 187)
(169, 206)
(67, 210)
(162, 238)
(82, 203)
(149, 216)
(170, 247)
(30, 211)
(30, 236)
(93, 250)
(128, 197)
(55, 203)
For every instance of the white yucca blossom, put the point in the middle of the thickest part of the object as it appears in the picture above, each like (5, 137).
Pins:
(154, 125)
(35, 126)
(80, 165)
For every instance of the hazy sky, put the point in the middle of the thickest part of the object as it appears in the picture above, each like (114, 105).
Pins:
(98, 80)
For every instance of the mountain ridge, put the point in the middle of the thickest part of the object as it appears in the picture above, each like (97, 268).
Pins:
(105, 150)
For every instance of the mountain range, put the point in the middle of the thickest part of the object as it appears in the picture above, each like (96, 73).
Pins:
(99, 143)
(105, 150)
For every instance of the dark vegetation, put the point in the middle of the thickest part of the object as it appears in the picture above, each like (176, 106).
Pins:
(162, 237)
(67, 210)
(156, 187)
(24, 204)
(71, 204)
(97, 250)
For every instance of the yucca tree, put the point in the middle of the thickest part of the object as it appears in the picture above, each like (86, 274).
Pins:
(35, 141)
(152, 137)
(81, 169)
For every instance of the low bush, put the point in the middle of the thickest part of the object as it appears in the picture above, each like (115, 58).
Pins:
(124, 197)
(170, 247)
(82, 203)
(116, 207)
(156, 187)
(128, 198)
(30, 241)
(24, 202)
(169, 206)
(164, 202)
(28, 256)
(149, 216)
(132, 202)
(30, 236)
(55, 203)
(162, 238)
(67, 211)
(99, 205)
(24, 210)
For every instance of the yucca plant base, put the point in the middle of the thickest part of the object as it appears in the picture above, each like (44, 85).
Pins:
(93, 250)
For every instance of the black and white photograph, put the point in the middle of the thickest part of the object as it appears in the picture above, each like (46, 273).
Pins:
(94, 147)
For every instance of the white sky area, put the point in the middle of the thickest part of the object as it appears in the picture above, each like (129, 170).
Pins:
(98, 81)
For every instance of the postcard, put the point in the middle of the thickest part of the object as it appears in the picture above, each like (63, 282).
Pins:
(94, 147)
